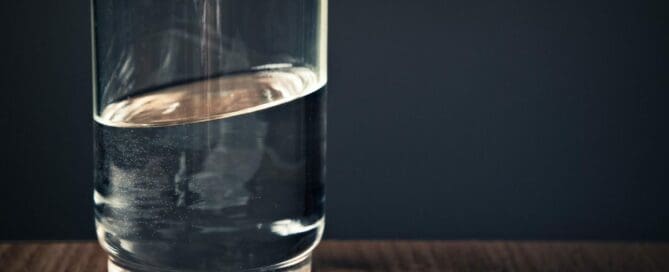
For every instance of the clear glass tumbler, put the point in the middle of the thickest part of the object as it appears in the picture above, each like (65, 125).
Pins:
(209, 133)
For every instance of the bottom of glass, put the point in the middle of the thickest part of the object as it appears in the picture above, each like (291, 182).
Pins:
(300, 263)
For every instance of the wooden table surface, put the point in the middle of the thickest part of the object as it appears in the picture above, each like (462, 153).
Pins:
(342, 256)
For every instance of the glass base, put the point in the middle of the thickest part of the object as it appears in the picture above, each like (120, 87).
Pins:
(297, 264)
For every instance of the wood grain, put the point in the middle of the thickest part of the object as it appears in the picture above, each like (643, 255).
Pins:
(340, 256)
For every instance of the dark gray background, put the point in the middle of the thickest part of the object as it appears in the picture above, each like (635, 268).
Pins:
(447, 119)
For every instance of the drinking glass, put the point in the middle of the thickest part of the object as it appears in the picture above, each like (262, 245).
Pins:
(209, 133)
